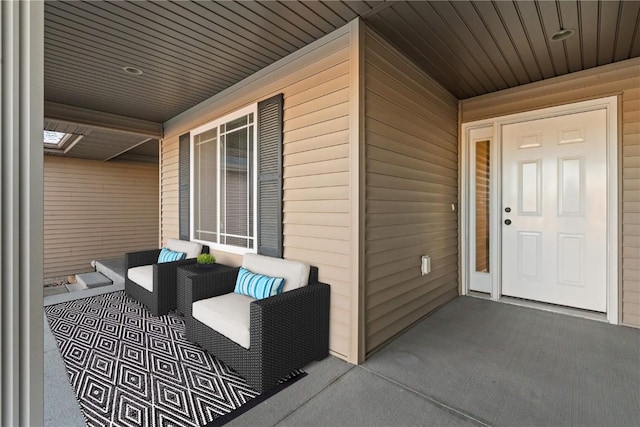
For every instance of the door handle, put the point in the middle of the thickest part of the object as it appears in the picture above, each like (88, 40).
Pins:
(507, 221)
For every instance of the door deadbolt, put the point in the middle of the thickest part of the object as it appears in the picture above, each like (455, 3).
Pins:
(507, 221)
(507, 210)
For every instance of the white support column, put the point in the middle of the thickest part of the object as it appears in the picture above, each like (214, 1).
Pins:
(21, 212)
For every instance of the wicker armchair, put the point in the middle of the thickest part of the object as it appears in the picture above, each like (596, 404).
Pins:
(287, 331)
(162, 298)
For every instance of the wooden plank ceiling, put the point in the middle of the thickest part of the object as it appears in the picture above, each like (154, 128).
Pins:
(189, 51)
(104, 144)
(477, 47)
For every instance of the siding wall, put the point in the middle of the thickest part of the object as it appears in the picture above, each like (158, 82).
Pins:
(95, 210)
(411, 143)
(623, 79)
(169, 189)
(318, 217)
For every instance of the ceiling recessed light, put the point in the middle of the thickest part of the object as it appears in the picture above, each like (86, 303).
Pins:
(562, 34)
(132, 70)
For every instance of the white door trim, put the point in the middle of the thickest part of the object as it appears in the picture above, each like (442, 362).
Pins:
(610, 104)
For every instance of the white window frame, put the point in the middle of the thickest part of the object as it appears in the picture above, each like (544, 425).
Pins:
(199, 130)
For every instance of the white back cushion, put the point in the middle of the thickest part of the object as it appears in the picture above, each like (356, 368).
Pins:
(226, 314)
(295, 273)
(192, 249)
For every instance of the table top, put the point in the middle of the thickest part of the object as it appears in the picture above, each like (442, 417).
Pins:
(198, 269)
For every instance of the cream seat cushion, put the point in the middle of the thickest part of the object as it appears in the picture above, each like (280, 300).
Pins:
(227, 314)
(142, 276)
(191, 249)
(295, 273)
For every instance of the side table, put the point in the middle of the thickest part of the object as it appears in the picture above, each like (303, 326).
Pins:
(185, 273)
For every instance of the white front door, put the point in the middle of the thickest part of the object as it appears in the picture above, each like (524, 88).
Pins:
(554, 210)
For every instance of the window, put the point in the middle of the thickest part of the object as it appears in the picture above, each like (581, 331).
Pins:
(55, 141)
(223, 175)
(482, 196)
(200, 183)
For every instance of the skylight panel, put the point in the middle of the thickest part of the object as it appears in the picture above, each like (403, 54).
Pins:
(59, 142)
(55, 138)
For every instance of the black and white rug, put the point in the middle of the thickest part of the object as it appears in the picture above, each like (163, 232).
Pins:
(129, 368)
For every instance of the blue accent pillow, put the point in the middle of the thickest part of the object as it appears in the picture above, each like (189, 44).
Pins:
(257, 285)
(167, 255)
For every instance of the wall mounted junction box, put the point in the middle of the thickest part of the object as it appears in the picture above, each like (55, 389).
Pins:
(426, 264)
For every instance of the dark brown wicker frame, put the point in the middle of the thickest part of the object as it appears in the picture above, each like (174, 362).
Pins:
(163, 297)
(287, 331)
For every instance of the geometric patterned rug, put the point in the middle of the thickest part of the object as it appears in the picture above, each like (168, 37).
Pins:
(130, 368)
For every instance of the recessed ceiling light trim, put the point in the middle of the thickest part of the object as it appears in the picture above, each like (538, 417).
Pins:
(562, 34)
(132, 70)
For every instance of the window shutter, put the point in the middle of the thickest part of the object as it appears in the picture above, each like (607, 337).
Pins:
(183, 186)
(270, 176)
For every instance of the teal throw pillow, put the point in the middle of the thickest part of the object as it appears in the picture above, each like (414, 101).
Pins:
(167, 255)
(257, 285)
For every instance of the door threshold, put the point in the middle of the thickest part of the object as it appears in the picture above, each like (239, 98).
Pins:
(575, 312)
(478, 294)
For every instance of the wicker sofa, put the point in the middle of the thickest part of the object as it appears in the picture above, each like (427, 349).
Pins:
(285, 331)
(154, 284)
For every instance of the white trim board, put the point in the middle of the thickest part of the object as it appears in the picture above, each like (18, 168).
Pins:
(494, 126)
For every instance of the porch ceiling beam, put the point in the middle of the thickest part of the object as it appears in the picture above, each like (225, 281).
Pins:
(97, 119)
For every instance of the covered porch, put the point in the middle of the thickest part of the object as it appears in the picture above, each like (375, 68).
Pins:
(473, 362)
(375, 94)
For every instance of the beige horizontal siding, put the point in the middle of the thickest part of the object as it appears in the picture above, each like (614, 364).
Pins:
(316, 192)
(631, 205)
(317, 209)
(96, 210)
(622, 78)
(169, 212)
(411, 182)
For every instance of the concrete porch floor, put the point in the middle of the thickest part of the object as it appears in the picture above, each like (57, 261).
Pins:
(473, 362)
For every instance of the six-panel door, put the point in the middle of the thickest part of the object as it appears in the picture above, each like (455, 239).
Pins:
(554, 207)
